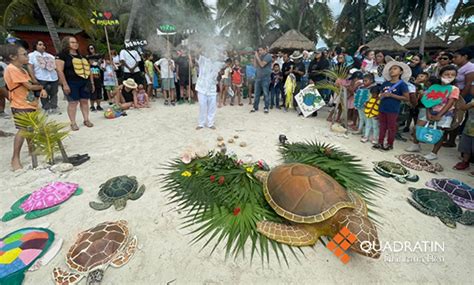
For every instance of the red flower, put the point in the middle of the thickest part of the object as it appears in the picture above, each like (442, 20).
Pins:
(260, 164)
(236, 211)
(213, 178)
(221, 180)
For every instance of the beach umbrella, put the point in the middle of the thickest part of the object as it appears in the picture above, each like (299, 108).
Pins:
(385, 43)
(432, 42)
(292, 40)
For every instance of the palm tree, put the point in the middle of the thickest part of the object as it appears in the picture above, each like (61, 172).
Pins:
(423, 25)
(50, 24)
(131, 19)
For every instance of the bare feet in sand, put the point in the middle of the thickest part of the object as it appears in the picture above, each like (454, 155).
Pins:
(16, 165)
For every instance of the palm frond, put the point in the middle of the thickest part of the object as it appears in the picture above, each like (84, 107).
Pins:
(43, 134)
(343, 167)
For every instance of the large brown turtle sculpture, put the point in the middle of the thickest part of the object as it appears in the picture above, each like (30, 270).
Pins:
(315, 205)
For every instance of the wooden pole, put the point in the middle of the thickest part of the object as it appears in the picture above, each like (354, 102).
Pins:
(110, 52)
(344, 109)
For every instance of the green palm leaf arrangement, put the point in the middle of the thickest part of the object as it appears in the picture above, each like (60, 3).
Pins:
(343, 167)
(44, 135)
(223, 201)
(334, 76)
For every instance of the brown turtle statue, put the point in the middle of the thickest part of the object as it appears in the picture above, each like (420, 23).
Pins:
(315, 205)
(418, 162)
(108, 243)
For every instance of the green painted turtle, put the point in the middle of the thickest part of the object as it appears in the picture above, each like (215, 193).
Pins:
(116, 191)
(439, 204)
(315, 205)
(394, 170)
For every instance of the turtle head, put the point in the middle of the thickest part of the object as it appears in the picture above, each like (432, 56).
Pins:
(367, 241)
(95, 277)
(261, 176)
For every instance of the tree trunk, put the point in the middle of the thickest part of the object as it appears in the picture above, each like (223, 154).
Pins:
(390, 16)
(415, 26)
(423, 25)
(454, 19)
(303, 4)
(362, 20)
(131, 19)
(53, 33)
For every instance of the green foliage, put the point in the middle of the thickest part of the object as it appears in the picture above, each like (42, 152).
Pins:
(43, 134)
(224, 210)
(343, 167)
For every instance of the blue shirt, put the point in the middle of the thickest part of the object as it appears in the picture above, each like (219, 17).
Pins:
(392, 105)
(361, 97)
(250, 71)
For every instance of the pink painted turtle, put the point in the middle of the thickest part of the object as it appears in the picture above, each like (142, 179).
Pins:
(461, 193)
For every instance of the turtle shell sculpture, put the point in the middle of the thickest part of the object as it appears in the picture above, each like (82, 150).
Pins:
(315, 205)
(108, 243)
(461, 193)
(116, 191)
(42, 201)
(394, 170)
(23, 249)
(439, 204)
(418, 162)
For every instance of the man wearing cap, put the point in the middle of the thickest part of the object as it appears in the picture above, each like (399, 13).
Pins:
(126, 94)
(263, 64)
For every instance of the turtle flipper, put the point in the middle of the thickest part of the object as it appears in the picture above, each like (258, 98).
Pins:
(448, 222)
(78, 192)
(400, 179)
(62, 277)
(381, 173)
(40, 213)
(16, 211)
(291, 235)
(467, 218)
(120, 204)
(126, 254)
(420, 208)
(412, 178)
(99, 206)
(138, 193)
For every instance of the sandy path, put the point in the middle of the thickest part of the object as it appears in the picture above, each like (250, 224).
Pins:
(141, 142)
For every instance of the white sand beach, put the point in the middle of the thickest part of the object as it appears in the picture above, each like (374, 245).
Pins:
(140, 143)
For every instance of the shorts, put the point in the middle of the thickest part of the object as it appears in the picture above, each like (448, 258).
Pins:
(226, 81)
(184, 81)
(109, 88)
(97, 94)
(137, 76)
(444, 123)
(80, 90)
(250, 81)
(239, 85)
(16, 111)
(466, 144)
(167, 84)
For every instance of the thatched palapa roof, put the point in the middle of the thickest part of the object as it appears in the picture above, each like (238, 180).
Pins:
(432, 41)
(292, 40)
(385, 43)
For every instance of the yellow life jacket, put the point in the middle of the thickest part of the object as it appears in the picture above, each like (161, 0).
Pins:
(372, 107)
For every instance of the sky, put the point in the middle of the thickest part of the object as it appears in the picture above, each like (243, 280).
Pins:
(336, 7)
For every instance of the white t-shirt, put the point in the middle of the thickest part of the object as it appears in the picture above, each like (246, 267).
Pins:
(165, 68)
(44, 66)
(131, 57)
(207, 80)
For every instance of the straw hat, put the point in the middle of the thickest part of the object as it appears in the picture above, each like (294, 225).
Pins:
(405, 69)
(296, 54)
(130, 83)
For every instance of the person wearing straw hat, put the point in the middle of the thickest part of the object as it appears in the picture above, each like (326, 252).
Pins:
(126, 94)
(394, 91)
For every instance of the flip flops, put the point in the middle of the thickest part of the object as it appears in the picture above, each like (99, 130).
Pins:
(78, 159)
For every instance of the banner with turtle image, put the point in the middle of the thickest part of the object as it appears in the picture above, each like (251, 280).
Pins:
(226, 201)
(309, 100)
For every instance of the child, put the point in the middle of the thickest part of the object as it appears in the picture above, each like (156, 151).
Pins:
(237, 82)
(225, 82)
(142, 98)
(371, 113)
(360, 98)
(442, 113)
(110, 80)
(275, 86)
(22, 99)
(356, 80)
(416, 89)
(394, 91)
(466, 143)
(149, 74)
(166, 67)
(96, 94)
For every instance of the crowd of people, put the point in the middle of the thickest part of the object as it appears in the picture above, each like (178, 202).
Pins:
(384, 90)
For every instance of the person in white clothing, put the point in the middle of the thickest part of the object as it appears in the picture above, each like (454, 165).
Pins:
(42, 68)
(166, 67)
(130, 60)
(207, 91)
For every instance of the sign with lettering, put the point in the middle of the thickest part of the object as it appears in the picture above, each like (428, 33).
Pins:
(166, 30)
(104, 18)
(135, 43)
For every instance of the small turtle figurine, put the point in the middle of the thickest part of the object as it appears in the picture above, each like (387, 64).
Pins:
(42, 201)
(394, 170)
(108, 243)
(418, 162)
(316, 205)
(461, 193)
(439, 204)
(116, 191)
